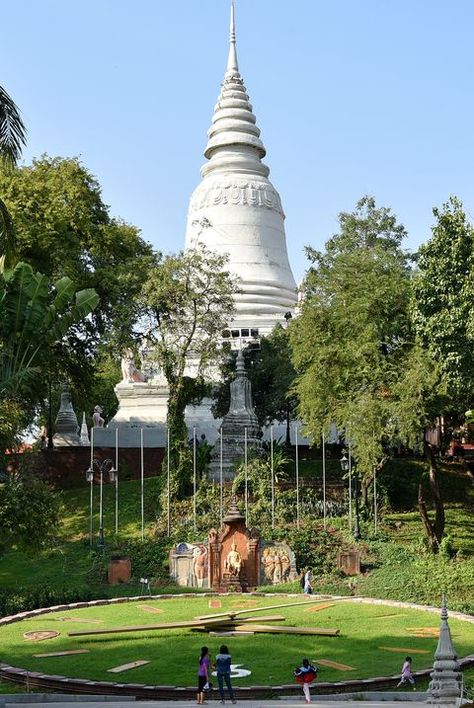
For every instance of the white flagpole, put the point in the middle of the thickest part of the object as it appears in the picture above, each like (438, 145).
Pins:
(297, 470)
(324, 481)
(350, 487)
(375, 501)
(221, 480)
(246, 479)
(142, 481)
(168, 482)
(273, 476)
(116, 482)
(194, 478)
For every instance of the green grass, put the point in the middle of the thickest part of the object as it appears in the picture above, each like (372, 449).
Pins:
(173, 653)
(70, 562)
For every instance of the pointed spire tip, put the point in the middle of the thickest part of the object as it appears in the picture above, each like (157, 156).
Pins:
(232, 65)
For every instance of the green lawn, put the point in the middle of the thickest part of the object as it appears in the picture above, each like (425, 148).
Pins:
(173, 653)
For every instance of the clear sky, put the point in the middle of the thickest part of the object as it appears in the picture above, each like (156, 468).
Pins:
(352, 97)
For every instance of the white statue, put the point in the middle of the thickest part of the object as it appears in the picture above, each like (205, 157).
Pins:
(97, 419)
(130, 373)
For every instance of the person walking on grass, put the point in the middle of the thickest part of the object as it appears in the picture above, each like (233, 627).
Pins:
(308, 579)
(305, 675)
(223, 661)
(407, 676)
(203, 674)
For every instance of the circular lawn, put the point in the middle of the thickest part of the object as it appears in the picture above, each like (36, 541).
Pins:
(373, 640)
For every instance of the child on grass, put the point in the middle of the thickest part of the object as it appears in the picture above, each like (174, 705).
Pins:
(305, 674)
(203, 674)
(407, 676)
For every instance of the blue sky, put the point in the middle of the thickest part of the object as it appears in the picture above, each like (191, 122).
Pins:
(351, 96)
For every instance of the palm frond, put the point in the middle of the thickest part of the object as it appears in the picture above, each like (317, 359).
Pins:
(12, 130)
(7, 236)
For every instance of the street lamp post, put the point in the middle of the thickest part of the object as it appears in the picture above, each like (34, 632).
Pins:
(346, 465)
(105, 467)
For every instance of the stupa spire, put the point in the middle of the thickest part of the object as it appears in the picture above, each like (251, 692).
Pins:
(232, 65)
(234, 139)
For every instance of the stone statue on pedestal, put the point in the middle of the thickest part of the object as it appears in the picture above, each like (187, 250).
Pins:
(233, 562)
(97, 419)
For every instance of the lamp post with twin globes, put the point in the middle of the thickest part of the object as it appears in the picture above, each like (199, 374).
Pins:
(102, 468)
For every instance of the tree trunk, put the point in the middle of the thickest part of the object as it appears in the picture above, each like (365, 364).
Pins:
(434, 529)
(364, 491)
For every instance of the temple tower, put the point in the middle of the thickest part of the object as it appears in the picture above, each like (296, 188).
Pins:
(236, 210)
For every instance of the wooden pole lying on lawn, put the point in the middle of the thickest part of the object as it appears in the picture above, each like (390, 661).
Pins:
(192, 624)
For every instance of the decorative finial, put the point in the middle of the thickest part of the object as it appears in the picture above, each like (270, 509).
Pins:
(232, 66)
(240, 363)
(444, 609)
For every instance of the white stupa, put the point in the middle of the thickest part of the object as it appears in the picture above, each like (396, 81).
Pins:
(234, 210)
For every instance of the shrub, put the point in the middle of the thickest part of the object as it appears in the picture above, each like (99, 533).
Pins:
(149, 558)
(23, 599)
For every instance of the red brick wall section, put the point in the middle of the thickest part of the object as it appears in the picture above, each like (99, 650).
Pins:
(65, 467)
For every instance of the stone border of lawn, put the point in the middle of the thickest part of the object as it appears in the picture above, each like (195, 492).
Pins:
(47, 682)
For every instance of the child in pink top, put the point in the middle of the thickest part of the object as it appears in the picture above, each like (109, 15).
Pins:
(203, 674)
(407, 676)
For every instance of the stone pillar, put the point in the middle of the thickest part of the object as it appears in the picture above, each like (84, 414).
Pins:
(445, 684)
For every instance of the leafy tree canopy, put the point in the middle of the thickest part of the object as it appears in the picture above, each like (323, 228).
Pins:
(351, 339)
(63, 228)
(188, 301)
(442, 302)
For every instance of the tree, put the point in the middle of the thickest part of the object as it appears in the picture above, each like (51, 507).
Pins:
(443, 319)
(63, 228)
(359, 363)
(29, 513)
(271, 373)
(189, 300)
(350, 339)
(35, 318)
(442, 303)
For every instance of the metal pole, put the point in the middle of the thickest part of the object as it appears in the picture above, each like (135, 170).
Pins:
(101, 542)
(356, 499)
(92, 448)
(273, 476)
(50, 418)
(194, 478)
(324, 481)
(116, 482)
(350, 488)
(297, 470)
(375, 500)
(169, 484)
(142, 483)
(246, 478)
(91, 519)
(221, 480)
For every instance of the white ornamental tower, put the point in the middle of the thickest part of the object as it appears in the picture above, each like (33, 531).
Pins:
(236, 210)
